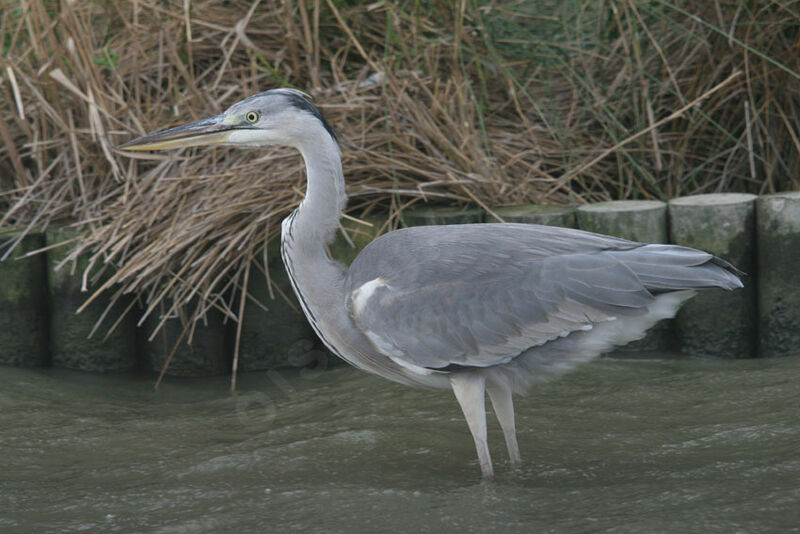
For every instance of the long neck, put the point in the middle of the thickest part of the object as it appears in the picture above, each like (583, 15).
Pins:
(317, 280)
(315, 221)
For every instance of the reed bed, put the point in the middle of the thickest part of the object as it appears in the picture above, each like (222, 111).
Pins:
(490, 103)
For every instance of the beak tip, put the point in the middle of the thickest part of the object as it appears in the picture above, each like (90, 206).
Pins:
(130, 146)
(199, 133)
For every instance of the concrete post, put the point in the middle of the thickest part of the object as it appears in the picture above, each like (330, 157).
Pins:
(644, 221)
(718, 322)
(441, 215)
(209, 353)
(23, 303)
(778, 230)
(281, 335)
(360, 234)
(537, 214)
(70, 344)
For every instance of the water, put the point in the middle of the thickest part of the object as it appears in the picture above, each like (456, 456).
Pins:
(619, 445)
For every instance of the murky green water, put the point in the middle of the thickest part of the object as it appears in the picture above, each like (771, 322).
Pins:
(620, 445)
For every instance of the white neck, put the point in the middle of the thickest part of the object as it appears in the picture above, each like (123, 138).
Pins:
(317, 218)
(317, 280)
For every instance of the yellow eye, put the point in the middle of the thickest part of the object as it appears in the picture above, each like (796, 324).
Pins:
(251, 117)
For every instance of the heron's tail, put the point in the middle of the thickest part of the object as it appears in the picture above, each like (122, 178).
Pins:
(663, 268)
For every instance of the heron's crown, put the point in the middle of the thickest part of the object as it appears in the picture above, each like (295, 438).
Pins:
(293, 97)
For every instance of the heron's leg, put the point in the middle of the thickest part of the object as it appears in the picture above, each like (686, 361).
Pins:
(504, 409)
(470, 390)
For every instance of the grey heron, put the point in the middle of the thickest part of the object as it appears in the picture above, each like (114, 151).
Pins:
(476, 308)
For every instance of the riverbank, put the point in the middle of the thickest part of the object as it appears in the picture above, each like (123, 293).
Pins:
(41, 292)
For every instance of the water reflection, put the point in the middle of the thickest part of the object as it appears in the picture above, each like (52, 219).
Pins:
(623, 445)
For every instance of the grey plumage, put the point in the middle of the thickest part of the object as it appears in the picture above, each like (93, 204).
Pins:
(478, 308)
(480, 295)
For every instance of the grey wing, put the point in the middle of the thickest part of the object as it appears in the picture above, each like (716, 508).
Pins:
(431, 298)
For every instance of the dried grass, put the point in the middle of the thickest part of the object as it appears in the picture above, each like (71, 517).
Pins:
(493, 105)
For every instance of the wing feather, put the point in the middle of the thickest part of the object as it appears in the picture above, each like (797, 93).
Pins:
(479, 295)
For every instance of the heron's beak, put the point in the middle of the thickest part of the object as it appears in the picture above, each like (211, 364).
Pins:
(211, 131)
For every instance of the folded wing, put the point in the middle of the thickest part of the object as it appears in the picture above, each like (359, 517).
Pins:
(438, 298)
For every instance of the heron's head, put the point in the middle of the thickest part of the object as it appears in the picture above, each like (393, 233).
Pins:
(276, 117)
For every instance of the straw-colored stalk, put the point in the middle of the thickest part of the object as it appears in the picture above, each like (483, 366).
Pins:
(451, 103)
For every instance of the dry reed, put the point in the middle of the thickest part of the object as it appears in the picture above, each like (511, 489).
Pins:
(437, 101)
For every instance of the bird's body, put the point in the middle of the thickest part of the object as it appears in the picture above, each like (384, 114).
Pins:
(477, 308)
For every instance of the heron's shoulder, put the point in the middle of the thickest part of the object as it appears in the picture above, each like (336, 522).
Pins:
(453, 250)
(534, 238)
